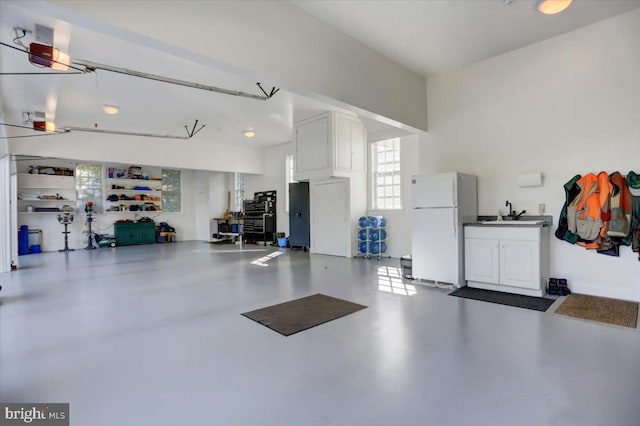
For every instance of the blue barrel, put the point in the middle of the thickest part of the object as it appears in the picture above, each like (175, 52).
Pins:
(362, 234)
(383, 247)
(23, 240)
(363, 221)
(362, 247)
(375, 221)
(374, 235)
(383, 234)
(374, 248)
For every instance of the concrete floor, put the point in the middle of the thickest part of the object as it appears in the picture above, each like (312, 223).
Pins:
(152, 335)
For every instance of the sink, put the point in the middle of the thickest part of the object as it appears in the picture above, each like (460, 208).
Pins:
(512, 222)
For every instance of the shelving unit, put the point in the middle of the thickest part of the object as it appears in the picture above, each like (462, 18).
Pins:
(128, 188)
(228, 224)
(39, 185)
(371, 241)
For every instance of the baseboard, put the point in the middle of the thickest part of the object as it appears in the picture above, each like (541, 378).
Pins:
(612, 293)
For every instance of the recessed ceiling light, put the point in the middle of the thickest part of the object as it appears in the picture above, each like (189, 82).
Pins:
(249, 133)
(551, 7)
(110, 109)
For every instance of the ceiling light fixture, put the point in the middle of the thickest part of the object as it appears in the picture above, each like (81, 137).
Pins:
(44, 126)
(551, 7)
(48, 56)
(110, 109)
(249, 133)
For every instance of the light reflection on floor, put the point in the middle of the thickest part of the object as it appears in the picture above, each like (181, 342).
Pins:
(390, 280)
(264, 259)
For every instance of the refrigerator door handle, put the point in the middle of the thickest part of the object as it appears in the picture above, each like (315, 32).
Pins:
(453, 193)
(453, 213)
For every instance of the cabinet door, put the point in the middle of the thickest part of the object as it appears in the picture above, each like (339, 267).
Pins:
(342, 143)
(520, 264)
(312, 145)
(330, 231)
(482, 260)
(299, 214)
(358, 152)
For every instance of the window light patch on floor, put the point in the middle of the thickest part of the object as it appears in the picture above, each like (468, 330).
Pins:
(264, 259)
(390, 281)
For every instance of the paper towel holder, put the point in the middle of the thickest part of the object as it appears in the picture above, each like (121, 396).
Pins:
(530, 180)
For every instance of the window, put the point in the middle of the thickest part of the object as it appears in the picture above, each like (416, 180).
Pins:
(171, 195)
(289, 169)
(386, 175)
(89, 186)
(238, 191)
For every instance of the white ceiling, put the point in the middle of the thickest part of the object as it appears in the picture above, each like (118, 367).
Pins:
(436, 36)
(426, 36)
(145, 106)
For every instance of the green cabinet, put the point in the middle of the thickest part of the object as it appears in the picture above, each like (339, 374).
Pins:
(135, 233)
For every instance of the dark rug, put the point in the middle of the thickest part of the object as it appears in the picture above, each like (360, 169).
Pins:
(610, 311)
(301, 314)
(519, 301)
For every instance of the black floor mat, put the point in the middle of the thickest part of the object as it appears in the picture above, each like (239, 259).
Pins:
(301, 314)
(510, 299)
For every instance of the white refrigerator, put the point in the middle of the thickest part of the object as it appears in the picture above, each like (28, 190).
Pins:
(440, 205)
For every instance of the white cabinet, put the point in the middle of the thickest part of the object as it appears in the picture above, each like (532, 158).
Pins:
(330, 145)
(511, 258)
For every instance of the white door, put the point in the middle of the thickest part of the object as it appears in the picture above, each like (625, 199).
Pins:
(435, 245)
(330, 231)
(519, 264)
(482, 260)
(434, 191)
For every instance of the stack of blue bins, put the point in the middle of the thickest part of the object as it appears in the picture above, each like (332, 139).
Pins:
(372, 235)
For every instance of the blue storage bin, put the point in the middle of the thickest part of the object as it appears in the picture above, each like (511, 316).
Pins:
(23, 240)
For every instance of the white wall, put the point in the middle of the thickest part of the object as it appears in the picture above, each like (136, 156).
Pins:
(195, 154)
(203, 197)
(263, 40)
(568, 105)
(274, 177)
(399, 221)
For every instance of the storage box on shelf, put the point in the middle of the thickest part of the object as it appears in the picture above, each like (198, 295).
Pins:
(371, 236)
(125, 194)
(45, 193)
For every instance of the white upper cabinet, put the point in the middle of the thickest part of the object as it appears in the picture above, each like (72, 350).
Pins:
(330, 145)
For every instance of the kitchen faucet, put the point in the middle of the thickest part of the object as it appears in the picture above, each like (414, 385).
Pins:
(512, 213)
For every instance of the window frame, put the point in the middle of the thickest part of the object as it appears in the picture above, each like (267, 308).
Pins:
(98, 202)
(391, 179)
(239, 193)
(290, 162)
(165, 192)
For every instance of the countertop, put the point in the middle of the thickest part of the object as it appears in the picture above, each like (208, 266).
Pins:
(548, 221)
